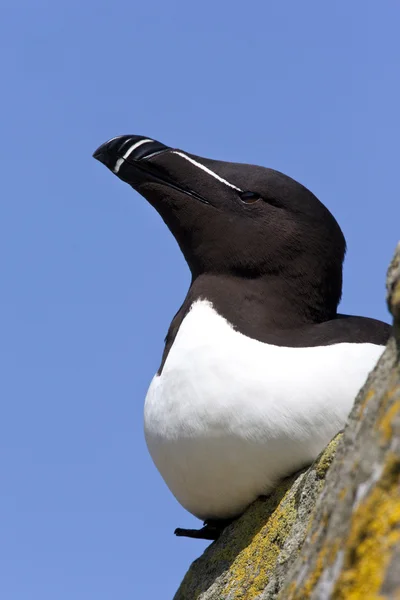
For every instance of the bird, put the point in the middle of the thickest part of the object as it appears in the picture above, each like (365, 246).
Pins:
(259, 370)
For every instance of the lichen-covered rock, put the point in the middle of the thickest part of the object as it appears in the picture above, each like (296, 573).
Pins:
(251, 558)
(349, 515)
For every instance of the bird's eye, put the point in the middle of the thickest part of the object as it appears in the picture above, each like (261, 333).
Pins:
(249, 197)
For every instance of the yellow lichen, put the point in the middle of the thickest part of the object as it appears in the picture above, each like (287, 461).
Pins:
(362, 406)
(327, 457)
(385, 424)
(291, 589)
(374, 531)
(393, 389)
(326, 556)
(314, 576)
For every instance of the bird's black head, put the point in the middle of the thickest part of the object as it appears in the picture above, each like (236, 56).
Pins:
(236, 219)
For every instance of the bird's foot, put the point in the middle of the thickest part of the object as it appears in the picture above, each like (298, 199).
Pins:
(211, 531)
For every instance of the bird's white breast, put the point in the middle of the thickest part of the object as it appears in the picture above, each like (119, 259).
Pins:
(230, 415)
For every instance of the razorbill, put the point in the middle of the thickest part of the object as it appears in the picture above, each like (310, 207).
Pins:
(259, 371)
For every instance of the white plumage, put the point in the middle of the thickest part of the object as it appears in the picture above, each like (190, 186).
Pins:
(230, 415)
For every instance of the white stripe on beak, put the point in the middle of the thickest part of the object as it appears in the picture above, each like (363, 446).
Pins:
(128, 152)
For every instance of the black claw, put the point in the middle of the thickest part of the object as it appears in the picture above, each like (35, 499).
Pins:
(205, 533)
(211, 531)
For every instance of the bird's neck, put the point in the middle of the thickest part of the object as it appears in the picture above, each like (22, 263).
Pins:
(254, 305)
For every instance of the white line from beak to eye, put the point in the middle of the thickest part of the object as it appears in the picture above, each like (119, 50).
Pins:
(128, 152)
(206, 170)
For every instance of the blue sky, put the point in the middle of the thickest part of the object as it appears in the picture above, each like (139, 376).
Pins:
(90, 277)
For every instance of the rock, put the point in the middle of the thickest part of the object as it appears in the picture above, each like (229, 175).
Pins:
(329, 531)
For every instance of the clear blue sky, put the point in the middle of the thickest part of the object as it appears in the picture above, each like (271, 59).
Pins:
(90, 277)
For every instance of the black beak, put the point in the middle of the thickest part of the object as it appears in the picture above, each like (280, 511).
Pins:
(123, 147)
(126, 156)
